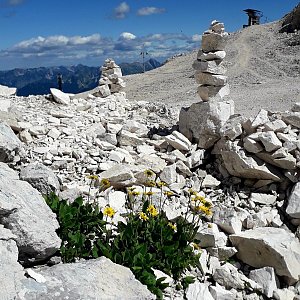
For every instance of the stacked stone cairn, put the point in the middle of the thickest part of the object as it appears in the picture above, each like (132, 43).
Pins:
(213, 88)
(209, 67)
(111, 78)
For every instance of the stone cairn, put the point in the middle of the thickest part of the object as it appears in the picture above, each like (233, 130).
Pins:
(111, 78)
(202, 121)
(209, 67)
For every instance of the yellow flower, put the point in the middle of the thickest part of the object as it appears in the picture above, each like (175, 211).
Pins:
(200, 198)
(173, 226)
(151, 183)
(207, 204)
(93, 177)
(196, 246)
(135, 193)
(149, 173)
(203, 209)
(169, 194)
(143, 216)
(149, 193)
(109, 211)
(152, 210)
(104, 184)
(192, 192)
(161, 184)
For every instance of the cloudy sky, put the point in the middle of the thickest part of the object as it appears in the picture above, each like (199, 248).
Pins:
(36, 33)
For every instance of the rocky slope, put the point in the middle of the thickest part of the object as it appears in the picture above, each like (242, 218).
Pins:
(263, 69)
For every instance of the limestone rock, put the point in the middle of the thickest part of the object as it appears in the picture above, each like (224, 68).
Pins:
(263, 198)
(7, 91)
(126, 138)
(280, 158)
(266, 278)
(198, 290)
(11, 271)
(60, 97)
(178, 141)
(210, 182)
(210, 236)
(210, 79)
(239, 164)
(40, 177)
(202, 121)
(233, 127)
(252, 146)
(211, 92)
(26, 214)
(292, 118)
(86, 280)
(210, 66)
(119, 176)
(293, 207)
(283, 294)
(270, 141)
(260, 119)
(270, 247)
(219, 293)
(215, 55)
(10, 145)
(229, 277)
(213, 41)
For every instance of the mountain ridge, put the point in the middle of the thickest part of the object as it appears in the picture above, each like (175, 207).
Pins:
(76, 79)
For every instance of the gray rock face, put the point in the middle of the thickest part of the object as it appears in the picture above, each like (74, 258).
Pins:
(94, 279)
(24, 211)
(270, 247)
(10, 145)
(40, 177)
(293, 207)
(11, 271)
(202, 121)
(266, 278)
(238, 163)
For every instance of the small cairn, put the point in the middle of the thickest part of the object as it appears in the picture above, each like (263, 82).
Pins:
(111, 78)
(209, 67)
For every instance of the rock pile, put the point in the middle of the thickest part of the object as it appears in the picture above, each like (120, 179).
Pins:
(209, 67)
(111, 78)
(202, 121)
(250, 246)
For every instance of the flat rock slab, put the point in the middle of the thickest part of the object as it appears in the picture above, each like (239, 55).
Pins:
(87, 280)
(7, 91)
(60, 97)
(270, 247)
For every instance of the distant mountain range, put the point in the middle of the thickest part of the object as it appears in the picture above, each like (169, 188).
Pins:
(76, 79)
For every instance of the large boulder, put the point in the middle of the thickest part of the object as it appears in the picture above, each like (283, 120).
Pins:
(24, 211)
(270, 247)
(7, 91)
(40, 177)
(202, 121)
(10, 145)
(60, 97)
(86, 280)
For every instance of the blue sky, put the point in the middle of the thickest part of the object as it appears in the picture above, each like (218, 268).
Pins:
(36, 33)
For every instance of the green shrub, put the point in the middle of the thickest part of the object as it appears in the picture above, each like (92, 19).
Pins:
(146, 241)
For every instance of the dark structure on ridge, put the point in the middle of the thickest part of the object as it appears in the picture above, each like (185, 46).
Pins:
(253, 16)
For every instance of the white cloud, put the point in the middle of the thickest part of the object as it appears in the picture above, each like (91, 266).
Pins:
(15, 2)
(127, 36)
(93, 49)
(146, 11)
(196, 38)
(121, 10)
